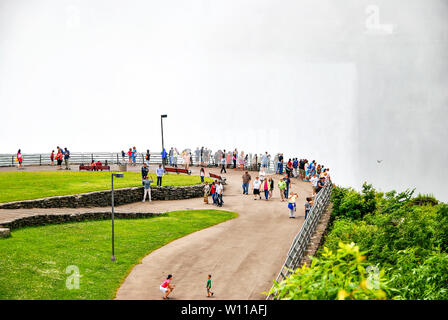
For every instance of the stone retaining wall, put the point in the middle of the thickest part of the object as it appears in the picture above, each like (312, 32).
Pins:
(44, 219)
(103, 198)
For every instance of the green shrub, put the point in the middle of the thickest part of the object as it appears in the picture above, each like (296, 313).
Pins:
(339, 274)
(425, 279)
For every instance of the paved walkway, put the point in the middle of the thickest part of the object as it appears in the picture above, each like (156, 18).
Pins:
(243, 255)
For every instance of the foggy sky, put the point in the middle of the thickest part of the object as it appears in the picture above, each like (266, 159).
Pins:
(343, 82)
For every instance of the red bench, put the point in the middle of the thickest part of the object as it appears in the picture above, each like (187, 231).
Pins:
(178, 170)
(91, 168)
(219, 178)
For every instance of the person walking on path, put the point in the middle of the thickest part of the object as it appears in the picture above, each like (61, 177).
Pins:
(67, 159)
(208, 286)
(308, 205)
(271, 187)
(246, 180)
(206, 192)
(147, 188)
(19, 159)
(52, 157)
(266, 189)
(219, 192)
(257, 185)
(159, 173)
(166, 287)
(288, 185)
(282, 188)
(223, 164)
(202, 174)
(213, 191)
(292, 204)
(234, 160)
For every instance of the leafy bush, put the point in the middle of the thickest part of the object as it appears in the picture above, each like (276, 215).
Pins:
(442, 227)
(348, 203)
(425, 279)
(339, 274)
(406, 236)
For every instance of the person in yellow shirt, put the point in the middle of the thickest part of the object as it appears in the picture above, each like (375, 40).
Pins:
(292, 204)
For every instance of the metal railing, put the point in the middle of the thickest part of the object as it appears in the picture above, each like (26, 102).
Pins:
(8, 160)
(300, 243)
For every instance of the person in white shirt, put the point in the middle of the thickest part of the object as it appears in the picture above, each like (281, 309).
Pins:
(314, 181)
(262, 175)
(257, 184)
(219, 192)
(223, 164)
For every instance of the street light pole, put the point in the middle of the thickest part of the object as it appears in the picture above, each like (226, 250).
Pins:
(117, 175)
(163, 146)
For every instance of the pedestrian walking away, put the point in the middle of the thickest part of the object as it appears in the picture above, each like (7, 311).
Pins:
(159, 173)
(213, 191)
(223, 164)
(288, 185)
(266, 189)
(271, 187)
(308, 205)
(257, 185)
(208, 286)
(166, 287)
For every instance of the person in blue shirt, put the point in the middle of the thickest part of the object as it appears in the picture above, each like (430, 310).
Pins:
(66, 158)
(159, 173)
(134, 155)
(295, 165)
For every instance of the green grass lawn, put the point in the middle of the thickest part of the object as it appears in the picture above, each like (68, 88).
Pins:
(33, 260)
(27, 185)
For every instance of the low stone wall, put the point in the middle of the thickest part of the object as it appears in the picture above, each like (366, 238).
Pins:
(103, 198)
(5, 233)
(44, 219)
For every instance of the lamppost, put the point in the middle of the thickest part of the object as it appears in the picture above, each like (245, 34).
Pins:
(163, 147)
(116, 175)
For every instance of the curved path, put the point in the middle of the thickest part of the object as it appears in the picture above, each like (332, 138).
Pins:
(243, 255)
